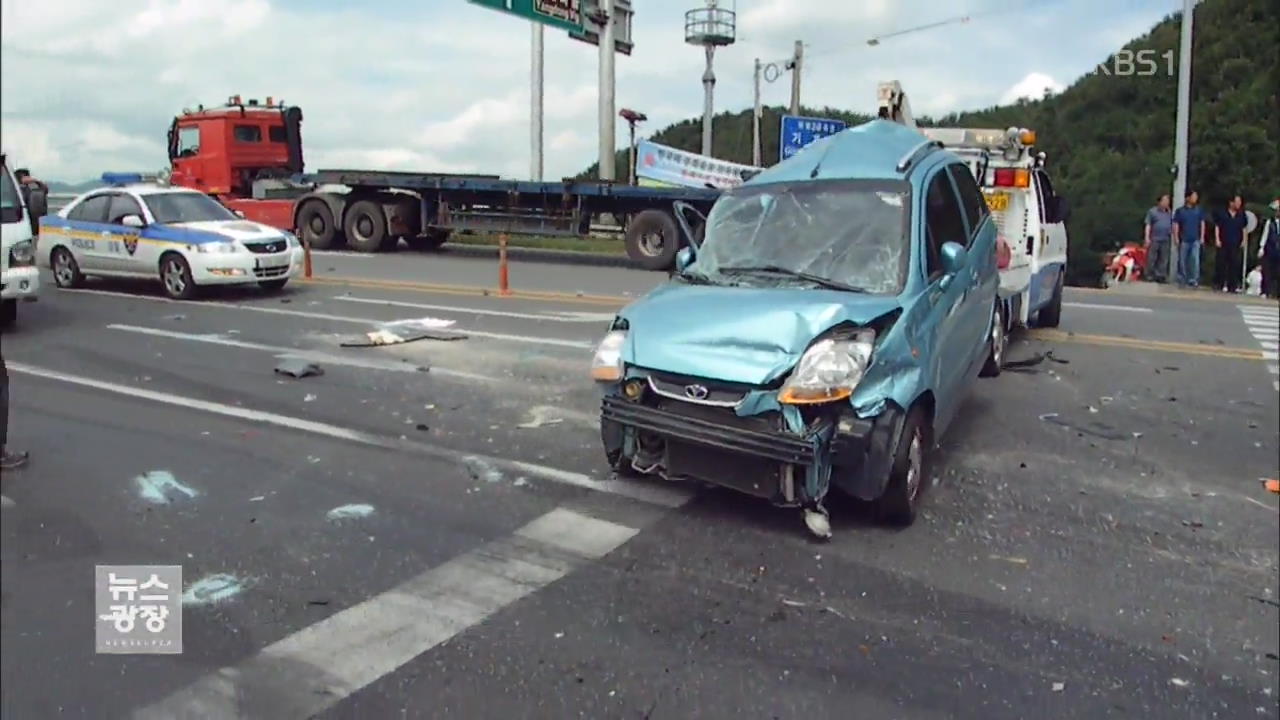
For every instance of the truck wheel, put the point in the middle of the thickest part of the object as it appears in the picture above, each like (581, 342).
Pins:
(8, 313)
(66, 271)
(909, 474)
(1050, 315)
(366, 226)
(430, 240)
(316, 226)
(652, 239)
(998, 342)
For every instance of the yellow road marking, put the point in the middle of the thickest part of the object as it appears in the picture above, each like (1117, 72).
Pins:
(1237, 353)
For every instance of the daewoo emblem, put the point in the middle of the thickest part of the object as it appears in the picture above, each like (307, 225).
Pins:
(696, 392)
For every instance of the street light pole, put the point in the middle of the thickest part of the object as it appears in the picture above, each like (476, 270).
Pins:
(535, 120)
(607, 121)
(1184, 115)
(755, 120)
(796, 62)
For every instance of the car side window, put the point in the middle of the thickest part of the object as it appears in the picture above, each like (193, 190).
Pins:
(93, 209)
(122, 204)
(971, 200)
(944, 221)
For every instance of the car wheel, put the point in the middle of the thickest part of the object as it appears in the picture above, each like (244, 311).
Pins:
(8, 313)
(652, 239)
(366, 227)
(998, 342)
(909, 474)
(316, 226)
(175, 273)
(273, 285)
(1050, 315)
(66, 271)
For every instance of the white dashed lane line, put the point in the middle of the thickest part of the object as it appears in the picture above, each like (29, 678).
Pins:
(1263, 322)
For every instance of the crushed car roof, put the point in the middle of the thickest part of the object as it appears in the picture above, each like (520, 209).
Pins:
(870, 151)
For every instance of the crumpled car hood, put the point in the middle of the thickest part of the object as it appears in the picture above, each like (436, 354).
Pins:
(744, 335)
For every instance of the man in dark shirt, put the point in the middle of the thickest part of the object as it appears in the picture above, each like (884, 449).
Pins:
(1269, 253)
(1158, 237)
(1229, 239)
(1188, 231)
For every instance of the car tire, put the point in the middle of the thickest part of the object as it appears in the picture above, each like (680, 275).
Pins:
(909, 473)
(428, 241)
(8, 314)
(273, 285)
(175, 276)
(652, 239)
(66, 271)
(997, 342)
(1050, 315)
(316, 226)
(366, 227)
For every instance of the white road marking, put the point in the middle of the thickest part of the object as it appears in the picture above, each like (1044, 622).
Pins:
(648, 492)
(315, 668)
(556, 342)
(1099, 306)
(574, 317)
(1264, 324)
(344, 253)
(311, 355)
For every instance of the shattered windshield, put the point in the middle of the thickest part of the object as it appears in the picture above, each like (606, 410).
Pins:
(849, 235)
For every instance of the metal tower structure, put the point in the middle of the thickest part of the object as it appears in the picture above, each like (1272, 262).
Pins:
(711, 27)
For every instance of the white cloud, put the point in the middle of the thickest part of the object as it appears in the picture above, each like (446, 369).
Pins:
(87, 86)
(1032, 87)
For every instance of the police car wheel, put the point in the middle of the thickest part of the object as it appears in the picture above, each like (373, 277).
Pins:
(175, 273)
(66, 271)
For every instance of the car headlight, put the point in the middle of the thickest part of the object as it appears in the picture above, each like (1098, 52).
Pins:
(829, 370)
(217, 248)
(291, 240)
(22, 253)
(606, 366)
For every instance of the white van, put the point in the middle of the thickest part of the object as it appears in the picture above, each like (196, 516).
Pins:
(19, 277)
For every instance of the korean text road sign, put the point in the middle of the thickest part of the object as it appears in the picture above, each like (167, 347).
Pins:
(800, 131)
(564, 14)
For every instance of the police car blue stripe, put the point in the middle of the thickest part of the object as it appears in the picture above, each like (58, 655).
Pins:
(161, 233)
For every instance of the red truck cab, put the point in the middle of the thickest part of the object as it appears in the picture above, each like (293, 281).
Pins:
(224, 151)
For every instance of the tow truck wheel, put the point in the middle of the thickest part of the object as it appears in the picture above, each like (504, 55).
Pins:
(8, 313)
(1050, 315)
(909, 474)
(175, 273)
(366, 227)
(66, 271)
(316, 226)
(998, 341)
(652, 239)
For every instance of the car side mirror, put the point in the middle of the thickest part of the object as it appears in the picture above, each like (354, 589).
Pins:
(133, 221)
(684, 258)
(954, 258)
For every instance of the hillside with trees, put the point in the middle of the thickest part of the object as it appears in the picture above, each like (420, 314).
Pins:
(1109, 138)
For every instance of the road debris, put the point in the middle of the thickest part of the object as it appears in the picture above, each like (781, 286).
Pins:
(403, 331)
(1272, 485)
(354, 510)
(212, 589)
(1178, 682)
(309, 398)
(1192, 524)
(298, 368)
(6, 503)
(1014, 560)
(154, 487)
(257, 498)
(480, 469)
(539, 416)
(1059, 686)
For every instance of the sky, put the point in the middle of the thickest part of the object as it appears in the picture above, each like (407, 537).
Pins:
(444, 85)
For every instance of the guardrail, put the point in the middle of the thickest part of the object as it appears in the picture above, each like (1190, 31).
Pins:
(57, 201)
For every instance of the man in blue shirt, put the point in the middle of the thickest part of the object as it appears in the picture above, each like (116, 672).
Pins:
(1159, 235)
(1229, 239)
(1188, 231)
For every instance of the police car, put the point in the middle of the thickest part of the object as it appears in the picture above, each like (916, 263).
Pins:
(136, 228)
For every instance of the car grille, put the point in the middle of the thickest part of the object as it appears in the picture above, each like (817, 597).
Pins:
(679, 387)
(266, 248)
(271, 272)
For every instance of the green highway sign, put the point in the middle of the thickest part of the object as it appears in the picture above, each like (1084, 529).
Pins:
(564, 14)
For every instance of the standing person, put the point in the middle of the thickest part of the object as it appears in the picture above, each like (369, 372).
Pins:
(8, 460)
(1269, 253)
(1229, 239)
(1188, 230)
(1158, 236)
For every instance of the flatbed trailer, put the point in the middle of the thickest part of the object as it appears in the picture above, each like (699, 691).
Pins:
(377, 208)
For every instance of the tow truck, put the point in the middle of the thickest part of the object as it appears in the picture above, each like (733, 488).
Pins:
(249, 155)
(1030, 215)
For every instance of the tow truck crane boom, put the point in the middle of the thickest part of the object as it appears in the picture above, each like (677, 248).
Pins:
(893, 104)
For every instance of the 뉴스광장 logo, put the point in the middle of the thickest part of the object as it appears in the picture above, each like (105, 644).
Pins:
(138, 609)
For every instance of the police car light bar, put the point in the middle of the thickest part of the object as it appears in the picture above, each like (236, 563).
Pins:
(120, 178)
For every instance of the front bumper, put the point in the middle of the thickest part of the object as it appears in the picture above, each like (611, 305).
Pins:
(20, 283)
(756, 455)
(246, 267)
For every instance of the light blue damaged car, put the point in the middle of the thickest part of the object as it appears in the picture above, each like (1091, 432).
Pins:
(824, 331)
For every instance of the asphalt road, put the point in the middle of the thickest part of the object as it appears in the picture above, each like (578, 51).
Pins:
(1097, 542)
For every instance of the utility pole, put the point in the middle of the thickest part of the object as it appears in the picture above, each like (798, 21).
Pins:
(755, 120)
(607, 121)
(535, 120)
(796, 62)
(708, 105)
(1184, 117)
